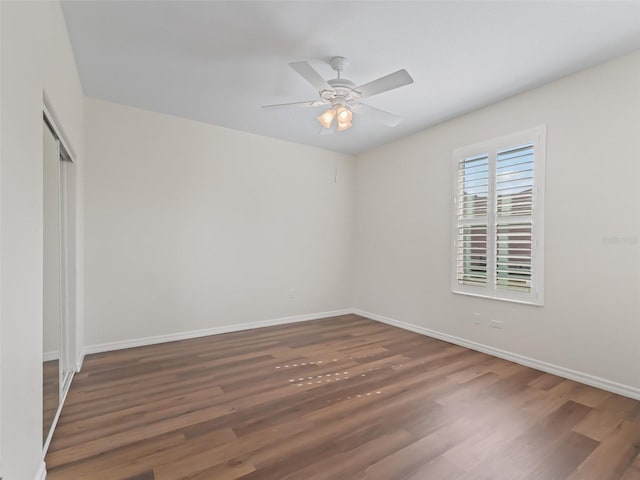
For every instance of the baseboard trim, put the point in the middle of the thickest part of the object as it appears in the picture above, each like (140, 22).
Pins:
(598, 382)
(141, 342)
(42, 472)
(48, 356)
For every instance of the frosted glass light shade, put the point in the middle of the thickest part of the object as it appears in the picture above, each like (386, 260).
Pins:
(344, 114)
(343, 126)
(326, 119)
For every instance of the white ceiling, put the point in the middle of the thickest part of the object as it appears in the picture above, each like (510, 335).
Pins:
(218, 62)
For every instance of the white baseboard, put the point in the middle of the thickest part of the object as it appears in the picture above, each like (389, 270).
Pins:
(48, 356)
(42, 472)
(140, 342)
(598, 382)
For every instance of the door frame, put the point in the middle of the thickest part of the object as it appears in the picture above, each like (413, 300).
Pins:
(68, 260)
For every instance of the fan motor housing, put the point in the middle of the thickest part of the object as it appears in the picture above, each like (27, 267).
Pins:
(343, 90)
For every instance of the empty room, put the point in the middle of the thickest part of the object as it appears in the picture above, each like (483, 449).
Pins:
(319, 240)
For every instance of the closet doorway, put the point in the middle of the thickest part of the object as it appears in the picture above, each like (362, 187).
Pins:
(58, 267)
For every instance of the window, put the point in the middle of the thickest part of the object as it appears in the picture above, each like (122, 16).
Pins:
(499, 219)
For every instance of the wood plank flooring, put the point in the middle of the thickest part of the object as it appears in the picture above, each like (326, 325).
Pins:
(344, 398)
(50, 395)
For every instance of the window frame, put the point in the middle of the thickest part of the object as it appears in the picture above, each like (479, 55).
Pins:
(534, 136)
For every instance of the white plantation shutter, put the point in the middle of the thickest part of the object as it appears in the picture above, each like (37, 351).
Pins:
(472, 213)
(499, 219)
(514, 223)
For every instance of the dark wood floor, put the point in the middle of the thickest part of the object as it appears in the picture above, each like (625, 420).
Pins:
(338, 399)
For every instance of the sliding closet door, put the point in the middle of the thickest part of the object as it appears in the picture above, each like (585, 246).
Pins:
(51, 328)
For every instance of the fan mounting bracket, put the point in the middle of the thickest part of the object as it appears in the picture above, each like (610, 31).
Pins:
(339, 63)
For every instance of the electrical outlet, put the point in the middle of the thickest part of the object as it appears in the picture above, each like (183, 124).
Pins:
(496, 324)
(476, 318)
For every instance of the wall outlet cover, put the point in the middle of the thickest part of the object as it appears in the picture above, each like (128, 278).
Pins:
(496, 324)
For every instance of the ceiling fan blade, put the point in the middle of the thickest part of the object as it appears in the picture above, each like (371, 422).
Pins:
(306, 71)
(309, 103)
(383, 84)
(377, 114)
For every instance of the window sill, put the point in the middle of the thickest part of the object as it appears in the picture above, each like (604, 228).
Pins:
(533, 303)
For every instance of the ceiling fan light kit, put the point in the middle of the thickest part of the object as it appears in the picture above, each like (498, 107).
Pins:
(344, 116)
(341, 114)
(326, 119)
(343, 126)
(344, 96)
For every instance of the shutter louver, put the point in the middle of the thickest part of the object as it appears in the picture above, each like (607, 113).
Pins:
(472, 213)
(472, 255)
(514, 223)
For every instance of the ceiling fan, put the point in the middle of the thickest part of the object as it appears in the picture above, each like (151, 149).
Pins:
(344, 96)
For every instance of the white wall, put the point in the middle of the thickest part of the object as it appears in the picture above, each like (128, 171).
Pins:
(591, 318)
(36, 61)
(191, 226)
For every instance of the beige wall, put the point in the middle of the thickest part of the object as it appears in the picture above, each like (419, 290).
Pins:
(36, 62)
(590, 320)
(191, 226)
